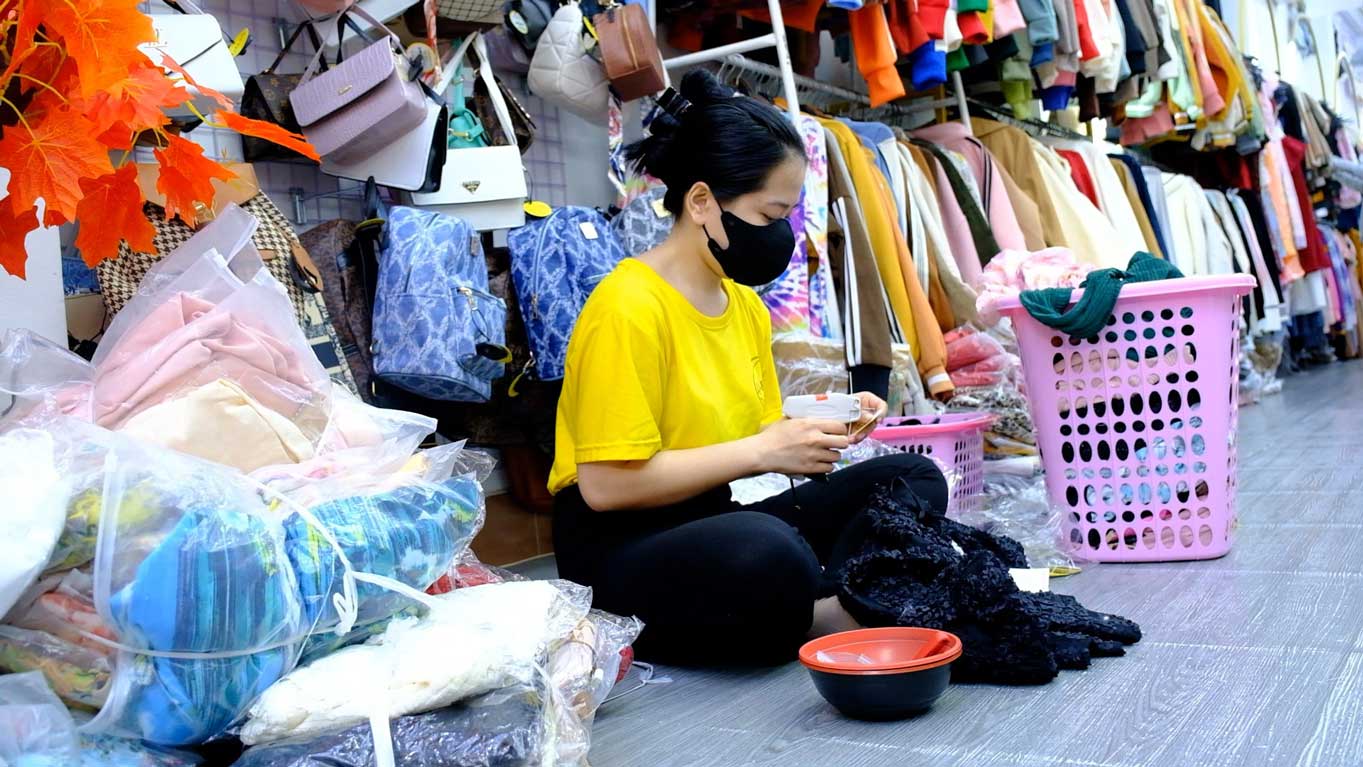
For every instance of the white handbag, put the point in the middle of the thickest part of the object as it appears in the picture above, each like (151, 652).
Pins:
(563, 73)
(484, 186)
(194, 41)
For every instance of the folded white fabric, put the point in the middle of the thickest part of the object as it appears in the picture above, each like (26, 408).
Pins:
(473, 641)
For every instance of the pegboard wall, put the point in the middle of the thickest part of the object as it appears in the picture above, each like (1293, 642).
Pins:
(327, 197)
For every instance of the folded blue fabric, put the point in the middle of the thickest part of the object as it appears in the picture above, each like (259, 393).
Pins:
(927, 66)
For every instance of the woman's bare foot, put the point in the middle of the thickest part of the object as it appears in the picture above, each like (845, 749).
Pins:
(830, 618)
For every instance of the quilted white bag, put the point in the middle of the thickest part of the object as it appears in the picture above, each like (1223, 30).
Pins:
(563, 71)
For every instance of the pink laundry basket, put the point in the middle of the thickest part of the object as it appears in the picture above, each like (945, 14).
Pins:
(1137, 424)
(956, 440)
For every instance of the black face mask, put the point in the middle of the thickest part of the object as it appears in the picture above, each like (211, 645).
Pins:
(756, 254)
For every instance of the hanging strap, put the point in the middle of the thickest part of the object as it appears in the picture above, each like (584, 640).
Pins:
(342, 21)
(312, 36)
(494, 92)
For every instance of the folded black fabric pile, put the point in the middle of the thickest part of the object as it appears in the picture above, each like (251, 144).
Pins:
(919, 568)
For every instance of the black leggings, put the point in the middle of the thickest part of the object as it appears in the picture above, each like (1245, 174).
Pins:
(717, 583)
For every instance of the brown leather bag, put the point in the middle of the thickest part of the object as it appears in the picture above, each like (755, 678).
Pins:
(629, 51)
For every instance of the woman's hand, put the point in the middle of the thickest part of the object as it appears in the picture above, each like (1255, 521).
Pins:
(800, 446)
(873, 409)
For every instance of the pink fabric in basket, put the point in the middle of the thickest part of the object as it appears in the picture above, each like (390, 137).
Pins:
(1013, 271)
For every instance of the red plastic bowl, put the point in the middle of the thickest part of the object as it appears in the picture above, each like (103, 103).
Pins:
(882, 674)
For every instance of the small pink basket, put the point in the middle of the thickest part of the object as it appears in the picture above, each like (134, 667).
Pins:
(1136, 425)
(956, 440)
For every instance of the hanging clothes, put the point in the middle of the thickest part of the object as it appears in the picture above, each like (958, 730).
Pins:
(850, 250)
(1003, 220)
(960, 242)
(1152, 244)
(1080, 173)
(1200, 246)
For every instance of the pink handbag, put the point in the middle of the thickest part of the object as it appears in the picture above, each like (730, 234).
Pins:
(364, 103)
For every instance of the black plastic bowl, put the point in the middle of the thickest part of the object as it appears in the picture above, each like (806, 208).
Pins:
(882, 674)
(884, 696)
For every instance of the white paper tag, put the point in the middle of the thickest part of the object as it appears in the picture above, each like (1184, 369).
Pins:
(659, 210)
(1033, 579)
(588, 230)
(518, 22)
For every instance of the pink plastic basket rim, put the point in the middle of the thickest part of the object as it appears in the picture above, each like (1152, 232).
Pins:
(949, 423)
(1240, 284)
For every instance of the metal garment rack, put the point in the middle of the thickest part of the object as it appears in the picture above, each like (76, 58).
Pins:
(774, 39)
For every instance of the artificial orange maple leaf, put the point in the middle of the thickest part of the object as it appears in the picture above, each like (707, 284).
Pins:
(270, 132)
(187, 177)
(29, 18)
(134, 101)
(13, 229)
(112, 211)
(169, 63)
(48, 158)
(101, 36)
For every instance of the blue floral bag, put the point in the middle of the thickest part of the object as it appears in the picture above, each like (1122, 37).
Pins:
(556, 262)
(438, 332)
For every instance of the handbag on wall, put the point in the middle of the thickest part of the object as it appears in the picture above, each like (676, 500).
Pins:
(629, 51)
(438, 332)
(563, 71)
(556, 263)
(644, 223)
(266, 97)
(364, 103)
(484, 186)
(522, 125)
(280, 249)
(194, 41)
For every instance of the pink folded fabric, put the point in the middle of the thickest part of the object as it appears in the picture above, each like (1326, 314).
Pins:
(188, 342)
(1013, 271)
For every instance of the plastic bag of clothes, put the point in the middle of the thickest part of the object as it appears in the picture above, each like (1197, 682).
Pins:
(40, 379)
(808, 365)
(37, 731)
(35, 728)
(211, 584)
(78, 674)
(469, 642)
(583, 669)
(507, 728)
(33, 515)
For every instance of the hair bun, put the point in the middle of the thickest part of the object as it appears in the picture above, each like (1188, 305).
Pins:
(702, 88)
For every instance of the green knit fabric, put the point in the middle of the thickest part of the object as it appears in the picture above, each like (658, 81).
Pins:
(1101, 289)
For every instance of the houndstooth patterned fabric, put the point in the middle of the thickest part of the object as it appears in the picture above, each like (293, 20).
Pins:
(120, 278)
(556, 262)
(433, 308)
(469, 10)
(639, 227)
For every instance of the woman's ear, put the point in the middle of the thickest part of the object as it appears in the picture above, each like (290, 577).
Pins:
(698, 202)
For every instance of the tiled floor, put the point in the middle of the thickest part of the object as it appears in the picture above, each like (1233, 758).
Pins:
(1253, 659)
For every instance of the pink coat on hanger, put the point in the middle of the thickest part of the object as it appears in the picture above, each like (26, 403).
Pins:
(1002, 218)
(188, 342)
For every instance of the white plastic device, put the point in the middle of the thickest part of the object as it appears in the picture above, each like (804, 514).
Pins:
(827, 407)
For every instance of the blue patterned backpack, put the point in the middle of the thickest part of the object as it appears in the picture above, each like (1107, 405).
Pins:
(556, 262)
(438, 332)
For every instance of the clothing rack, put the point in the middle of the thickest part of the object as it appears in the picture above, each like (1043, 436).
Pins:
(1026, 124)
(774, 39)
(743, 63)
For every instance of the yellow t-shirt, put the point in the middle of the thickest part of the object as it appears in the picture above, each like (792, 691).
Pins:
(647, 371)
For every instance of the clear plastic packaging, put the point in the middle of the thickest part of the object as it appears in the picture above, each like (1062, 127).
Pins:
(40, 379)
(35, 728)
(78, 674)
(507, 728)
(471, 641)
(808, 365)
(467, 572)
(34, 513)
(1018, 507)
